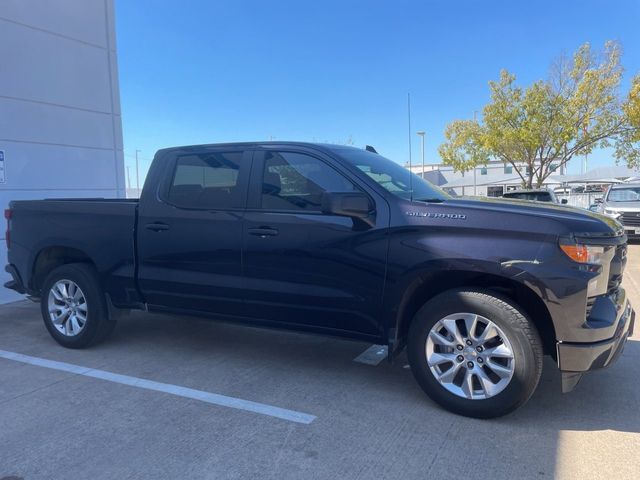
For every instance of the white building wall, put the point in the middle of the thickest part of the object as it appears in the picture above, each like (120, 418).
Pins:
(494, 171)
(60, 127)
(447, 174)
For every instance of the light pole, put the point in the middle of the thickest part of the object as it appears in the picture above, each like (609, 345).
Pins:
(137, 174)
(475, 192)
(421, 135)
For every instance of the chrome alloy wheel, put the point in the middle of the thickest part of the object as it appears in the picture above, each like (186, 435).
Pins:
(67, 307)
(470, 356)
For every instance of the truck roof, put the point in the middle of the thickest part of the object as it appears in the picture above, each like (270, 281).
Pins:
(323, 146)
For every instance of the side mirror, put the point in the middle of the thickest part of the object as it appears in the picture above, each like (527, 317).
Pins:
(564, 201)
(353, 204)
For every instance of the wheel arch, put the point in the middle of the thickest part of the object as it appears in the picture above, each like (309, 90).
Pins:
(51, 257)
(424, 288)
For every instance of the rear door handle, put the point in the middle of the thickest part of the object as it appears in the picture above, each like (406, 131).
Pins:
(157, 227)
(263, 232)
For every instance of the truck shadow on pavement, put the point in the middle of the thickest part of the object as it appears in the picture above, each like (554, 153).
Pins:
(214, 355)
(603, 400)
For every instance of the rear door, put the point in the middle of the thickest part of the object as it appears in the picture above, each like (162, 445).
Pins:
(305, 268)
(190, 232)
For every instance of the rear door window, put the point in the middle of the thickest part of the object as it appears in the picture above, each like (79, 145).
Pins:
(207, 180)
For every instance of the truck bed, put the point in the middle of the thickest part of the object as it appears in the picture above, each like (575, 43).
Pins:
(104, 229)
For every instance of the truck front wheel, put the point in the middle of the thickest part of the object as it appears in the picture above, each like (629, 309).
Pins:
(475, 353)
(74, 308)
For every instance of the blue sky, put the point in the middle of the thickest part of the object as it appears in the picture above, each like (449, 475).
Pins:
(240, 70)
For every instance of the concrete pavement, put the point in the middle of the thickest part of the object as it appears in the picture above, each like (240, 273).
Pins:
(371, 421)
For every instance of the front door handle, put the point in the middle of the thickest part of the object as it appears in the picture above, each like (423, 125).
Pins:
(157, 227)
(263, 232)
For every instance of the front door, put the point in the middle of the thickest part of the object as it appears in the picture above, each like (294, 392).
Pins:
(305, 268)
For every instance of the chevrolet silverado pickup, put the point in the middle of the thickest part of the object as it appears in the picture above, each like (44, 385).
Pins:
(342, 241)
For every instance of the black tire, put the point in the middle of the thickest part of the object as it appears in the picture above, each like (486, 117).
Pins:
(519, 330)
(98, 324)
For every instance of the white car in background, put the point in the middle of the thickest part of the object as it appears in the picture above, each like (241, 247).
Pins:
(622, 202)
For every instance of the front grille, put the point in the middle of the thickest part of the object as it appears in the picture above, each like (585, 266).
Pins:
(630, 219)
(618, 263)
(590, 302)
(614, 280)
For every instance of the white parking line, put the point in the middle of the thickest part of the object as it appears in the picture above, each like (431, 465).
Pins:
(372, 355)
(207, 397)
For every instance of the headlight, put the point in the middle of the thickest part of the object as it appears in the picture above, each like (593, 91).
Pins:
(594, 255)
(612, 213)
(584, 253)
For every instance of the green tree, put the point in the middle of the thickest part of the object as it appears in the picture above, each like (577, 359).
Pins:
(541, 127)
(628, 146)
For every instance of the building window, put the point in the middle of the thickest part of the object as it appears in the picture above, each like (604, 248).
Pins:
(483, 171)
(528, 170)
(553, 168)
(508, 169)
(495, 191)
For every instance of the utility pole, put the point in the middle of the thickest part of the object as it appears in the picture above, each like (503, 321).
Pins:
(585, 165)
(421, 135)
(585, 132)
(137, 174)
(409, 127)
(475, 191)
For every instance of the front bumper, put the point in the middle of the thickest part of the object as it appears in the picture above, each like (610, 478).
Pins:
(575, 359)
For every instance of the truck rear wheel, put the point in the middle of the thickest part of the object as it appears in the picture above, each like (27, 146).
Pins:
(74, 308)
(475, 353)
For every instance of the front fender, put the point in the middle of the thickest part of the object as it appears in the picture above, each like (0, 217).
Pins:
(425, 263)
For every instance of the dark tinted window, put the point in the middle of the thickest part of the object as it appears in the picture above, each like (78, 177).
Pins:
(208, 180)
(295, 181)
(533, 196)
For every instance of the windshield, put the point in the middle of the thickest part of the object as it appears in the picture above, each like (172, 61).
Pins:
(391, 176)
(630, 194)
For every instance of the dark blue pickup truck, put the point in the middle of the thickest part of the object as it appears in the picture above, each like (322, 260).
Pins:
(341, 241)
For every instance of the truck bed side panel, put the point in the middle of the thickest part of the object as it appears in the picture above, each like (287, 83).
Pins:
(102, 230)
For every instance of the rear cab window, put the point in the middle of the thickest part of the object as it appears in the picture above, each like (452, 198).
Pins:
(207, 180)
(531, 196)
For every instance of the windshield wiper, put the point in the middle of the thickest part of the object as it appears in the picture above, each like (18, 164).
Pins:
(429, 200)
